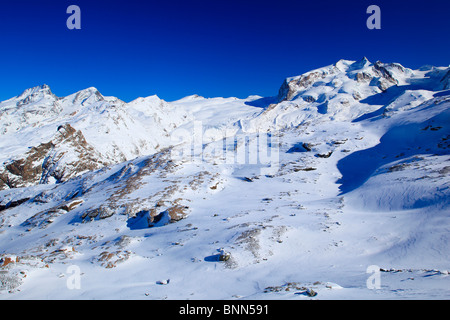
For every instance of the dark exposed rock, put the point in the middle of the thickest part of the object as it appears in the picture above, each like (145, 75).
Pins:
(289, 88)
(48, 160)
(26, 171)
(300, 147)
(224, 256)
(177, 212)
(363, 77)
(304, 169)
(387, 79)
(13, 204)
(324, 155)
(311, 293)
(308, 99)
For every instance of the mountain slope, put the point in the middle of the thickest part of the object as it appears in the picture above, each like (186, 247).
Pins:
(257, 198)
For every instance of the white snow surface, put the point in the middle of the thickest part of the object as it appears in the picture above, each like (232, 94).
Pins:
(362, 180)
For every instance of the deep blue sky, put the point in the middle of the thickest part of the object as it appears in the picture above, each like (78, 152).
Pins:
(212, 48)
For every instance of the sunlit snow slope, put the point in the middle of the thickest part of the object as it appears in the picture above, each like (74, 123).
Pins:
(345, 171)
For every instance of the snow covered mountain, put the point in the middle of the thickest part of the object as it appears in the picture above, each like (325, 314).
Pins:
(107, 131)
(257, 198)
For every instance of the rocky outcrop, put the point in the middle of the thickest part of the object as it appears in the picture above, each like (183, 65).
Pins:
(27, 170)
(385, 74)
(362, 71)
(65, 156)
(290, 87)
(363, 77)
(70, 157)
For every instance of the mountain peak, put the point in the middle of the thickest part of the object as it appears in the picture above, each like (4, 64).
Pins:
(361, 64)
(89, 95)
(90, 89)
(343, 64)
(37, 89)
(35, 94)
(153, 99)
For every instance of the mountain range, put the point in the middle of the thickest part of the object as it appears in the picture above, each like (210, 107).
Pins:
(347, 167)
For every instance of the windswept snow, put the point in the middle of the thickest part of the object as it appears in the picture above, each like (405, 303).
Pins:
(103, 199)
